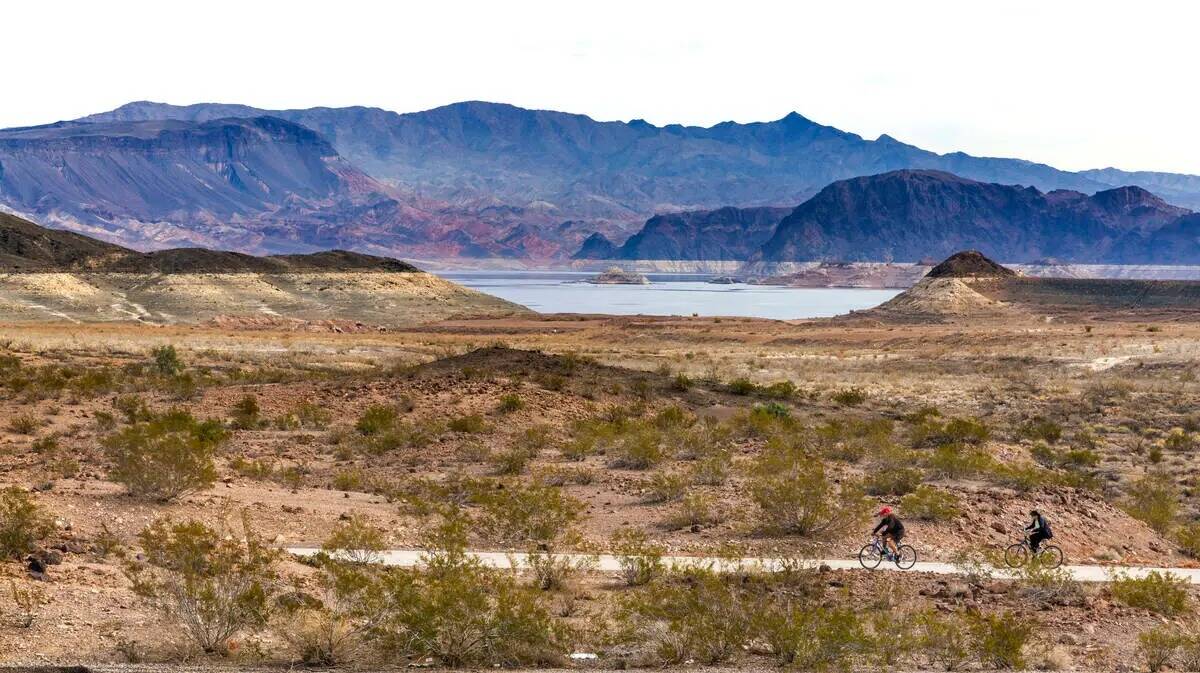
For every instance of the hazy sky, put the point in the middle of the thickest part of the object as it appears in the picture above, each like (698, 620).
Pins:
(1073, 84)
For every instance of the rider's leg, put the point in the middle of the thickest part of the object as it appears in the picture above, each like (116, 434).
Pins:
(891, 543)
(1035, 541)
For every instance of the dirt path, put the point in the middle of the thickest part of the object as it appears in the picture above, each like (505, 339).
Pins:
(610, 563)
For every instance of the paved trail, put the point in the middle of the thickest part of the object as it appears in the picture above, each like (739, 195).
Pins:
(609, 563)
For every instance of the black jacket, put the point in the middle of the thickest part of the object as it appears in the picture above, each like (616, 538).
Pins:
(1040, 525)
(890, 524)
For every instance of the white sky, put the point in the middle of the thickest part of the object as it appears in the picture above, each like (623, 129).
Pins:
(1073, 84)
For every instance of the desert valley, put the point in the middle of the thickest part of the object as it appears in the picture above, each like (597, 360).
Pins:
(343, 375)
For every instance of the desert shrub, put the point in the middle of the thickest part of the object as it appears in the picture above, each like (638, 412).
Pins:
(24, 424)
(663, 487)
(697, 615)
(1188, 539)
(459, 612)
(1159, 592)
(810, 637)
(639, 447)
(133, 408)
(954, 461)
(945, 640)
(510, 461)
(553, 572)
(23, 523)
(166, 360)
(246, 413)
(694, 509)
(893, 481)
(306, 415)
(356, 540)
(165, 457)
(713, 469)
(795, 496)
(45, 444)
(471, 424)
(673, 418)
(998, 641)
(1042, 430)
(1040, 583)
(927, 503)
(1158, 646)
(707, 437)
(1022, 477)
(640, 559)
(780, 390)
(376, 419)
(564, 476)
(214, 585)
(682, 382)
(930, 431)
(1179, 440)
(510, 403)
(251, 469)
(527, 514)
(742, 386)
(849, 397)
(1153, 499)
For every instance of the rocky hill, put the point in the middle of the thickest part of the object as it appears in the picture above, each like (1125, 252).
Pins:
(909, 215)
(63, 276)
(722, 234)
(969, 285)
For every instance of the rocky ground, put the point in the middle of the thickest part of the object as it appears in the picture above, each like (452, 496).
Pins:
(476, 389)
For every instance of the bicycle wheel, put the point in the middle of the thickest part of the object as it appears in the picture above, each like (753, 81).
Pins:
(1050, 556)
(869, 556)
(906, 557)
(1016, 555)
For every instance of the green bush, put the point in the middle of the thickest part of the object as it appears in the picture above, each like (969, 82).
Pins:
(511, 461)
(1159, 592)
(695, 616)
(527, 514)
(24, 424)
(356, 540)
(945, 640)
(999, 640)
(510, 403)
(1188, 539)
(166, 360)
(810, 637)
(376, 419)
(931, 432)
(1042, 429)
(849, 397)
(1158, 646)
(214, 585)
(460, 613)
(927, 503)
(23, 523)
(713, 469)
(165, 457)
(641, 561)
(695, 509)
(794, 496)
(663, 487)
(682, 382)
(742, 386)
(246, 413)
(780, 390)
(639, 447)
(471, 424)
(893, 481)
(1153, 499)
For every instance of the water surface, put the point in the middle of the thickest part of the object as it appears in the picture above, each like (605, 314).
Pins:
(668, 294)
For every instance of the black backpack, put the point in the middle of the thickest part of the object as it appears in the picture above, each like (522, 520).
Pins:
(1046, 528)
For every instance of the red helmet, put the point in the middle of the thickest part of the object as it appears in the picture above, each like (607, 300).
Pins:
(884, 511)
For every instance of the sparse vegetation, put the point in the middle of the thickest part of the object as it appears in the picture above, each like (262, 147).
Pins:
(1158, 592)
(23, 523)
(165, 457)
(931, 504)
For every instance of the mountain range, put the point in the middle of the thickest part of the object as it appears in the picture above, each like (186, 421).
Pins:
(470, 179)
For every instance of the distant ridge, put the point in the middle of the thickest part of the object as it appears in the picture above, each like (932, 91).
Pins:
(27, 247)
(969, 264)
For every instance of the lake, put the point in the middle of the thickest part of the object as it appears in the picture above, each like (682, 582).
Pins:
(668, 294)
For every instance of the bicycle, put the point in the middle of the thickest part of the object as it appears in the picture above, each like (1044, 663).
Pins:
(873, 553)
(1018, 554)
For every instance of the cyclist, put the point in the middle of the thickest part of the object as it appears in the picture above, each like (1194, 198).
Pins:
(893, 530)
(1038, 530)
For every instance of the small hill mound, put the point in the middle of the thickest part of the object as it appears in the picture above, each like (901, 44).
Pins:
(969, 264)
